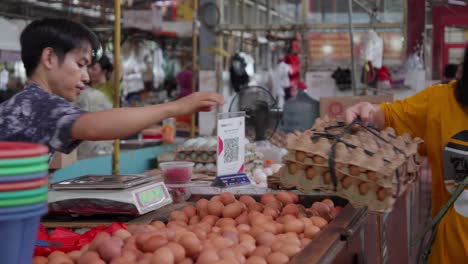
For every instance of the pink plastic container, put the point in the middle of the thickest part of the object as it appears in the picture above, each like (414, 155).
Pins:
(177, 172)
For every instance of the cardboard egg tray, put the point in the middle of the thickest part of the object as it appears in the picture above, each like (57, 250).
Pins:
(371, 168)
(196, 156)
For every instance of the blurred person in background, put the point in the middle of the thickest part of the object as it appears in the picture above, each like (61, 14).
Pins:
(450, 73)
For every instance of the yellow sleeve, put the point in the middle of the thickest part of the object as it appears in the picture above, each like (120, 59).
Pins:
(408, 115)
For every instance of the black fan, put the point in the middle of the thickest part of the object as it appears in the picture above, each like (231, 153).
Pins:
(260, 107)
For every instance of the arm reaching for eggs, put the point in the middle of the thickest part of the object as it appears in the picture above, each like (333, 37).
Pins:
(367, 112)
(122, 122)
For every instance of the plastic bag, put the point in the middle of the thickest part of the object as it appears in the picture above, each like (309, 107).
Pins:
(372, 49)
(62, 239)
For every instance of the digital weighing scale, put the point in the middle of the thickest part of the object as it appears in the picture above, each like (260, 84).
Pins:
(108, 194)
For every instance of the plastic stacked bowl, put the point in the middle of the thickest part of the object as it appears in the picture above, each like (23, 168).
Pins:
(23, 198)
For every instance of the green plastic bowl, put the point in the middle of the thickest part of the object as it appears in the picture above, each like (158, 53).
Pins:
(23, 193)
(24, 201)
(40, 167)
(23, 161)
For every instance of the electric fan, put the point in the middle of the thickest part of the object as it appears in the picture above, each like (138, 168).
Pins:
(261, 111)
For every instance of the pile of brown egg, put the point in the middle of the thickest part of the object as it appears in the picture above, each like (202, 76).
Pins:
(222, 230)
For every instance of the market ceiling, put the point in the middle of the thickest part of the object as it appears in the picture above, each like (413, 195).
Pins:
(90, 12)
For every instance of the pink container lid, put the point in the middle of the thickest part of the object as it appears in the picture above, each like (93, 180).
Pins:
(25, 185)
(9, 150)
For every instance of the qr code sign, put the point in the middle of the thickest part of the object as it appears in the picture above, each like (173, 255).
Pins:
(231, 150)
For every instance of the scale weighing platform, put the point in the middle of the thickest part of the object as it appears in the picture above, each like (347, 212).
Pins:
(109, 195)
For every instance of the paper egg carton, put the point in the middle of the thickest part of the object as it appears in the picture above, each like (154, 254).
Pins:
(372, 168)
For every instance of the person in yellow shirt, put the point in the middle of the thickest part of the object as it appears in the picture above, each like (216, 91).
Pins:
(439, 115)
(101, 77)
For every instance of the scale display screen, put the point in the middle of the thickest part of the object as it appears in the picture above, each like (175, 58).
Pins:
(150, 196)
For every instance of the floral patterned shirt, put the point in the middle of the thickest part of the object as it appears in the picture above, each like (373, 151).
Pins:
(34, 115)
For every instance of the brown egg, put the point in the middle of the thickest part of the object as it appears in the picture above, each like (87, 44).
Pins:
(268, 198)
(311, 231)
(250, 246)
(110, 249)
(40, 260)
(136, 229)
(290, 250)
(277, 258)
(300, 156)
(226, 222)
(158, 224)
(319, 160)
(202, 207)
(284, 197)
(346, 182)
(354, 170)
(256, 260)
(261, 251)
(258, 207)
(322, 208)
(163, 256)
(274, 213)
(372, 175)
(265, 238)
(290, 209)
(191, 244)
(74, 255)
(246, 237)
(177, 250)
(153, 243)
(247, 200)
(98, 240)
(88, 257)
(289, 239)
(122, 233)
(294, 197)
(292, 168)
(215, 208)
(227, 198)
(296, 226)
(382, 194)
(208, 256)
(186, 261)
(232, 210)
(270, 227)
(215, 198)
(210, 219)
(318, 221)
(194, 220)
(243, 218)
(328, 202)
(190, 211)
(64, 259)
(276, 204)
(327, 179)
(57, 254)
(364, 188)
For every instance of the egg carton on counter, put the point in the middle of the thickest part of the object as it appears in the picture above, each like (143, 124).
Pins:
(371, 168)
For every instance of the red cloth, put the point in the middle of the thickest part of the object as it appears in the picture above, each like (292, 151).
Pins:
(295, 64)
(70, 240)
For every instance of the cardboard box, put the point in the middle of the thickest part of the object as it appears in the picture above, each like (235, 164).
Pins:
(335, 107)
(61, 160)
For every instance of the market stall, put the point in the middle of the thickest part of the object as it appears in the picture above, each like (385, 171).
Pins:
(249, 194)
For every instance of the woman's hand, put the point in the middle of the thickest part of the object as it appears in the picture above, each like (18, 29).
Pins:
(367, 112)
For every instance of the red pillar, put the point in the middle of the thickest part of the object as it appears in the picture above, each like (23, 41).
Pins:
(415, 24)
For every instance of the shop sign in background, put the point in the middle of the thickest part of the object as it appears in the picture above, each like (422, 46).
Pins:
(336, 45)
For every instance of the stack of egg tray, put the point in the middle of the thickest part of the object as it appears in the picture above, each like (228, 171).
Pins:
(367, 167)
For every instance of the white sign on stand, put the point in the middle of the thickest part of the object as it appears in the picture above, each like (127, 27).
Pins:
(231, 149)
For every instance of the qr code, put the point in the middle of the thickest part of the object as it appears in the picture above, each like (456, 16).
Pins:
(231, 150)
